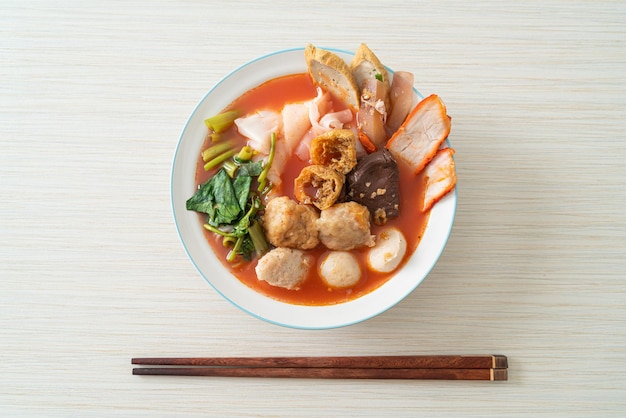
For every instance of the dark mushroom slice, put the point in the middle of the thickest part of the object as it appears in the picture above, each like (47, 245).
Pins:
(374, 183)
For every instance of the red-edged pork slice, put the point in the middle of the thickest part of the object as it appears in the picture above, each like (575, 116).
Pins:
(419, 137)
(440, 175)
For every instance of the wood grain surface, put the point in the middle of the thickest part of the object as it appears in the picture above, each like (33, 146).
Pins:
(93, 97)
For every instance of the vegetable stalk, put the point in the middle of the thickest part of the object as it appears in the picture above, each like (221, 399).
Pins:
(218, 231)
(215, 150)
(244, 155)
(231, 168)
(261, 246)
(266, 168)
(222, 121)
(232, 254)
(219, 159)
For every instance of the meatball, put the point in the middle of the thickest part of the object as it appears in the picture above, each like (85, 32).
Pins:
(283, 267)
(289, 224)
(345, 226)
(339, 269)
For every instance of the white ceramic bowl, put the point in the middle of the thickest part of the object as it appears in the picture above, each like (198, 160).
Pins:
(202, 256)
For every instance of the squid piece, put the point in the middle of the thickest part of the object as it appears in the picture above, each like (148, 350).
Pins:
(366, 66)
(422, 133)
(258, 128)
(401, 99)
(322, 118)
(440, 176)
(296, 123)
(372, 114)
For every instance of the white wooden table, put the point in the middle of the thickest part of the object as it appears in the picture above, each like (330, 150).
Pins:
(93, 96)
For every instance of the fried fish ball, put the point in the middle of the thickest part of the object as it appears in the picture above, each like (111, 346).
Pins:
(335, 149)
(288, 224)
(340, 270)
(345, 226)
(284, 267)
(319, 186)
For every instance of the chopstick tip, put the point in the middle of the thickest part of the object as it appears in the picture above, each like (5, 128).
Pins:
(499, 374)
(500, 361)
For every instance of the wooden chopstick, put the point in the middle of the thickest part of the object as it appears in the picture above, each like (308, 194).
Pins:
(449, 367)
(362, 362)
(327, 373)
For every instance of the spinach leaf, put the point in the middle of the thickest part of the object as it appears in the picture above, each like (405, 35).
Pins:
(252, 169)
(217, 198)
(241, 186)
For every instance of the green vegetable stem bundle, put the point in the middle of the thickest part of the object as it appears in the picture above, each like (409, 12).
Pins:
(220, 123)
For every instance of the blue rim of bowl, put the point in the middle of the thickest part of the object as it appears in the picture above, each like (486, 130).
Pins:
(288, 325)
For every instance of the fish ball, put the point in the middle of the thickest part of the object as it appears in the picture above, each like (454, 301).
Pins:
(388, 252)
(339, 269)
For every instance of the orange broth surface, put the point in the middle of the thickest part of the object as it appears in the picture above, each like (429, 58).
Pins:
(273, 95)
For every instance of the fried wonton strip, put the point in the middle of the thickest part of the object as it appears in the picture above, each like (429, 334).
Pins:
(440, 175)
(419, 137)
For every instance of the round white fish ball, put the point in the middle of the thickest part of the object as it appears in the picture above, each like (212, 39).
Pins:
(388, 252)
(339, 269)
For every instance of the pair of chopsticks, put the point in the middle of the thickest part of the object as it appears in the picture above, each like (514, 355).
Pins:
(442, 367)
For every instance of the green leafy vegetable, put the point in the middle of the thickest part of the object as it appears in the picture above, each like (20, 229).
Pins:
(241, 227)
(217, 198)
(379, 76)
(250, 169)
(246, 242)
(229, 201)
(241, 186)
